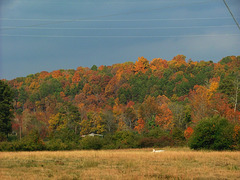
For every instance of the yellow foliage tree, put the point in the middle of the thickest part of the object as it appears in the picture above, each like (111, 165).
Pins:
(57, 122)
(141, 65)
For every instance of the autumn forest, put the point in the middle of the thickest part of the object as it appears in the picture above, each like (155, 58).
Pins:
(143, 104)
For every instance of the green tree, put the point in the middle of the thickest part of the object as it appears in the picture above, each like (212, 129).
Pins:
(226, 60)
(94, 68)
(52, 86)
(23, 96)
(6, 113)
(214, 133)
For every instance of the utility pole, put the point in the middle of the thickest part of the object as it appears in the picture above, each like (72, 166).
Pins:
(231, 14)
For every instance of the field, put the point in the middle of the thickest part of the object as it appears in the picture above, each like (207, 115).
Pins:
(120, 164)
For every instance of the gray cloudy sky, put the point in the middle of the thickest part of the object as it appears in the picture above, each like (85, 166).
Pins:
(46, 35)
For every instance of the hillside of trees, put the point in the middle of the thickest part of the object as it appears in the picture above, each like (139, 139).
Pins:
(156, 101)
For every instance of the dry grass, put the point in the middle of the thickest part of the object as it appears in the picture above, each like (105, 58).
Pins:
(120, 164)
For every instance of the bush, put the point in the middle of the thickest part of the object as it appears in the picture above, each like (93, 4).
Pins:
(156, 132)
(147, 142)
(3, 137)
(66, 135)
(126, 139)
(6, 146)
(214, 133)
(31, 142)
(236, 137)
(63, 139)
(108, 142)
(12, 137)
(89, 142)
(56, 145)
(178, 137)
(156, 142)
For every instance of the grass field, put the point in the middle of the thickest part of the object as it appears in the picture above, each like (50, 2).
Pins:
(120, 164)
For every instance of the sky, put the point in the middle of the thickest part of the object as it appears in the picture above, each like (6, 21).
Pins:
(47, 35)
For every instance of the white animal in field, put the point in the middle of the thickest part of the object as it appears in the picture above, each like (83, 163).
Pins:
(157, 150)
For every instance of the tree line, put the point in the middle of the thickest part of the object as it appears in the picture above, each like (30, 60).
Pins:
(141, 104)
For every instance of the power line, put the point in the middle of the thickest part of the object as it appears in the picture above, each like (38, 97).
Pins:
(58, 36)
(231, 14)
(156, 1)
(112, 15)
(117, 28)
(111, 2)
(112, 20)
(54, 21)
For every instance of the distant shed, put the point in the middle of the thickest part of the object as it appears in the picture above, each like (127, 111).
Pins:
(93, 135)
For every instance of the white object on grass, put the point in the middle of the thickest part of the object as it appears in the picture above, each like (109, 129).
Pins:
(157, 150)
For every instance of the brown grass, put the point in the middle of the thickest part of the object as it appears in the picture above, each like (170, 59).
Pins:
(120, 164)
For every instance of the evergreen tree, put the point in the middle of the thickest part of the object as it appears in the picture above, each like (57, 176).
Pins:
(6, 113)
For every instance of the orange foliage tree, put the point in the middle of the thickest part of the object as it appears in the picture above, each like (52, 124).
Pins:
(188, 133)
(141, 65)
(164, 119)
(140, 125)
(201, 100)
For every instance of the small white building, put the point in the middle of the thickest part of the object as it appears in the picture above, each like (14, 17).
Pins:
(93, 135)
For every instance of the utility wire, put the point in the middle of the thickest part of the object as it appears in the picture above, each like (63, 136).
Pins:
(112, 20)
(58, 36)
(112, 15)
(110, 2)
(99, 20)
(117, 28)
(231, 14)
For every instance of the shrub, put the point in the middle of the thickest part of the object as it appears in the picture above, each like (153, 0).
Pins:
(89, 142)
(156, 142)
(66, 135)
(126, 139)
(108, 142)
(215, 133)
(63, 139)
(147, 142)
(236, 137)
(6, 146)
(178, 136)
(156, 132)
(12, 137)
(3, 137)
(164, 141)
(56, 145)
(31, 142)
